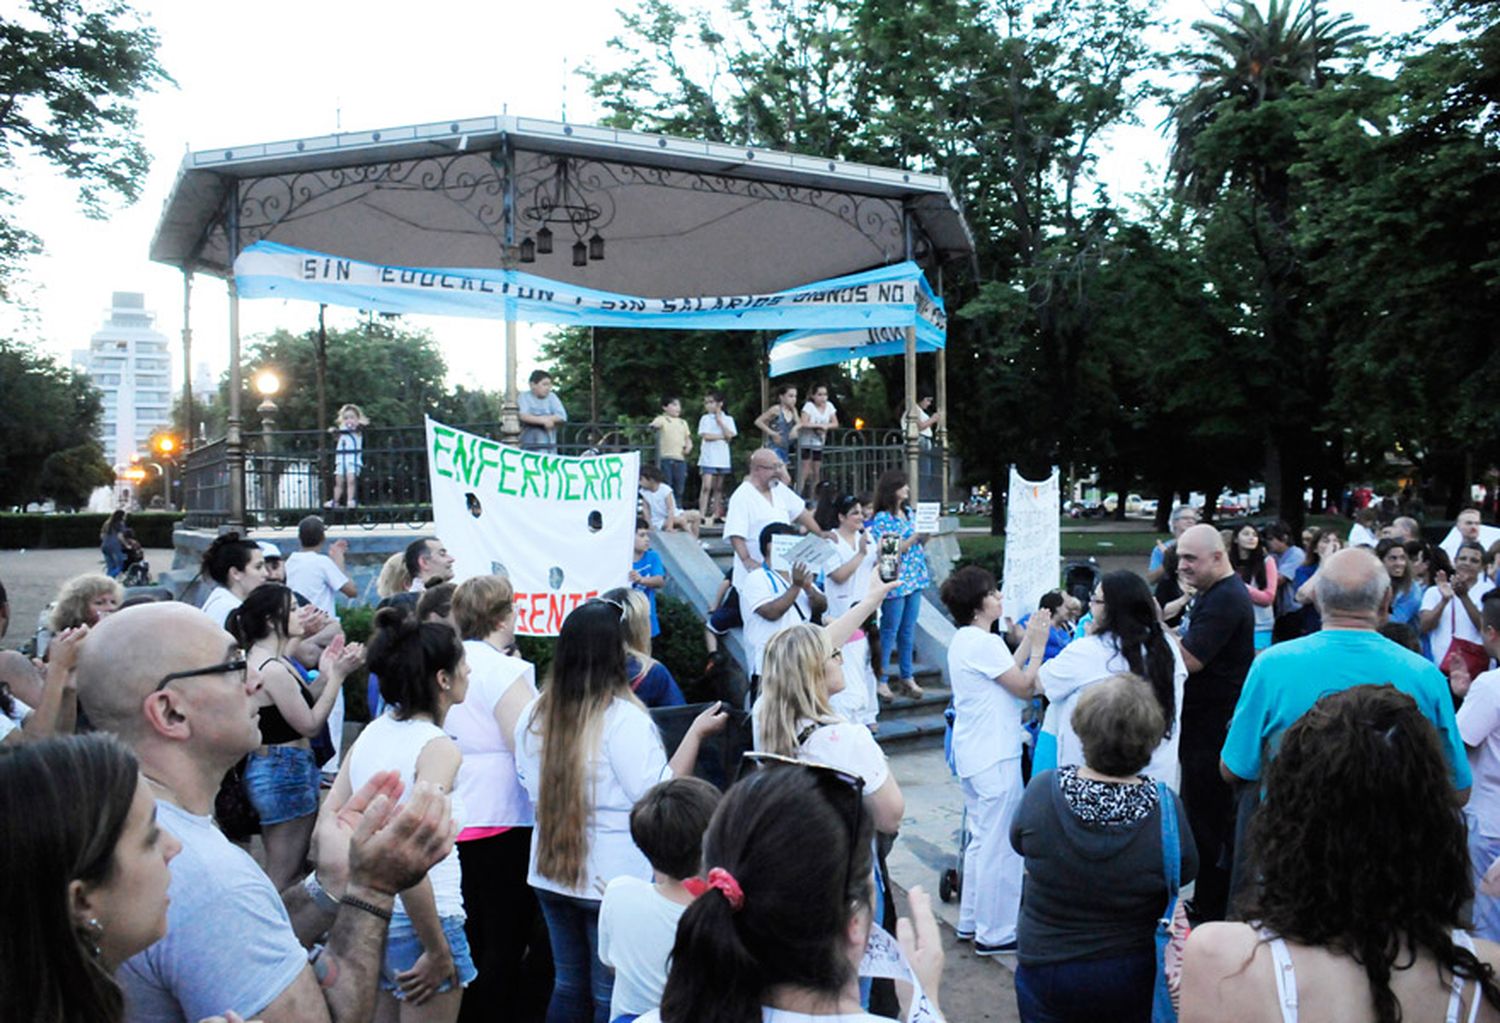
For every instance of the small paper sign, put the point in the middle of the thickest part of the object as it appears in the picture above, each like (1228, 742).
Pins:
(788, 549)
(928, 513)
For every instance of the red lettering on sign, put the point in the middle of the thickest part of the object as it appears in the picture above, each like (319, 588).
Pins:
(542, 614)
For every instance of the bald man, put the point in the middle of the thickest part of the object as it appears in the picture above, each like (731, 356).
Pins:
(1217, 649)
(763, 498)
(174, 687)
(1353, 592)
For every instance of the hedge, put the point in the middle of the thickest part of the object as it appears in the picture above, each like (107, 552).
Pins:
(81, 529)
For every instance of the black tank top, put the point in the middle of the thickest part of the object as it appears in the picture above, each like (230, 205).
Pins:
(273, 727)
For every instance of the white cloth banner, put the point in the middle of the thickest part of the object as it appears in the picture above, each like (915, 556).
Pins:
(1033, 544)
(561, 528)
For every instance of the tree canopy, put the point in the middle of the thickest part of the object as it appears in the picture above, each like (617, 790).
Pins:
(49, 415)
(71, 72)
(1309, 295)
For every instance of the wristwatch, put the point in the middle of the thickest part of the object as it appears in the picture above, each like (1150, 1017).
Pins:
(319, 895)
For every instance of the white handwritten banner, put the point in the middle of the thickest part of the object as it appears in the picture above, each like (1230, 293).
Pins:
(889, 296)
(561, 528)
(1032, 544)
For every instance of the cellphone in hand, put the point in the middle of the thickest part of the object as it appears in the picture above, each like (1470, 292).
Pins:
(890, 558)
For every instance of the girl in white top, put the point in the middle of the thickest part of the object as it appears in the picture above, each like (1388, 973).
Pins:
(422, 675)
(237, 566)
(586, 751)
(495, 845)
(1364, 877)
(844, 517)
(803, 668)
(715, 430)
(989, 689)
(1451, 607)
(779, 933)
(1124, 636)
(818, 417)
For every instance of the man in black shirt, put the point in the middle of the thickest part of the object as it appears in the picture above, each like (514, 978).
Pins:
(1218, 649)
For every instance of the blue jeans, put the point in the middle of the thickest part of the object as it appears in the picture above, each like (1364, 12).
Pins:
(581, 984)
(675, 470)
(1119, 988)
(898, 626)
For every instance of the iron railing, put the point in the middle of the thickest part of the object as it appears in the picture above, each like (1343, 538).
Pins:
(290, 473)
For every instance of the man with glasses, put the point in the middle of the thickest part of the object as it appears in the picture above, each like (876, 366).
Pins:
(175, 688)
(765, 496)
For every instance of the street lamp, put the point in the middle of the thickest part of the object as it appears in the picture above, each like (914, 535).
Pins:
(267, 384)
(165, 445)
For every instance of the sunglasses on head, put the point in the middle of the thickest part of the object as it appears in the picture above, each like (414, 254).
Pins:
(844, 791)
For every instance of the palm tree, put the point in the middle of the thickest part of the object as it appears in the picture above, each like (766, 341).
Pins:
(1234, 147)
(1248, 59)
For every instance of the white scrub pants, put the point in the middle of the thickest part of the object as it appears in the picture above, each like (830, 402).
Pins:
(990, 900)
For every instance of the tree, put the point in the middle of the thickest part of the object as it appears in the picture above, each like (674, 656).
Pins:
(1235, 144)
(70, 73)
(47, 409)
(70, 477)
(395, 375)
(1009, 101)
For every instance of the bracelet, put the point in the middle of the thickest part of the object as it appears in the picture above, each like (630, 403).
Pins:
(320, 896)
(368, 907)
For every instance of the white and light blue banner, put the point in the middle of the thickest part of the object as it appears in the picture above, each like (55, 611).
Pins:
(888, 297)
(808, 349)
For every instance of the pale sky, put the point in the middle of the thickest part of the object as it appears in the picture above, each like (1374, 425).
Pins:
(281, 70)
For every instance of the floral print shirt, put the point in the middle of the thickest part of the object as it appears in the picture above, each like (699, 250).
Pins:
(914, 575)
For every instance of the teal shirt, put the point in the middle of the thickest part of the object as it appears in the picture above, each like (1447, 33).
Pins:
(1286, 680)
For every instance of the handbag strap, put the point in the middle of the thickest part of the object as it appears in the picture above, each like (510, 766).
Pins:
(1171, 851)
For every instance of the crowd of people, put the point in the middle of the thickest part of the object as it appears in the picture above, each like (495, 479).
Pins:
(1262, 779)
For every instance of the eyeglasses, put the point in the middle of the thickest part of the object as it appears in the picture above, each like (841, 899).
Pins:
(837, 655)
(845, 793)
(227, 668)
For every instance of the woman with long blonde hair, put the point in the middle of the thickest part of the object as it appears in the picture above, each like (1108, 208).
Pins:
(650, 680)
(586, 751)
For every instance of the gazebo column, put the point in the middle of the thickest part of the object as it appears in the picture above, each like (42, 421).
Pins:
(942, 427)
(187, 363)
(234, 446)
(510, 410)
(913, 441)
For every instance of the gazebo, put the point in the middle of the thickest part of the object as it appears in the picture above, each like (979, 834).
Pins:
(589, 207)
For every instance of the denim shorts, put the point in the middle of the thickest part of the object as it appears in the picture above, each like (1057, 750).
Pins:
(403, 948)
(282, 783)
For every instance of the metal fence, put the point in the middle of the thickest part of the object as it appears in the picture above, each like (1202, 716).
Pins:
(290, 473)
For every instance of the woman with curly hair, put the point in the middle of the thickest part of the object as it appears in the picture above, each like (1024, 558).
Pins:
(1364, 882)
(84, 600)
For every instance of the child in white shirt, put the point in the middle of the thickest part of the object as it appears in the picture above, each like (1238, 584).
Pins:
(638, 921)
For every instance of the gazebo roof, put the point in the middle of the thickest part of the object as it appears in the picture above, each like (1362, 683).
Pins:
(676, 217)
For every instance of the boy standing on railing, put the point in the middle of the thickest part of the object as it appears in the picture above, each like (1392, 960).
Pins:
(674, 442)
(715, 430)
(541, 412)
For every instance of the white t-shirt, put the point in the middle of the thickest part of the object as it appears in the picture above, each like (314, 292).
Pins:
(1090, 660)
(637, 928)
(1455, 620)
(818, 417)
(1487, 535)
(761, 587)
(1479, 726)
(316, 577)
(986, 718)
(1361, 536)
(656, 504)
(493, 795)
(714, 454)
(844, 595)
(629, 761)
(849, 747)
(750, 511)
(218, 605)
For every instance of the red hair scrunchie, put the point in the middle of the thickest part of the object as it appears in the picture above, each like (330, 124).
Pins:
(724, 881)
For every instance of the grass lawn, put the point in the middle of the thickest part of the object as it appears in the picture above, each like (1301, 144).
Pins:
(1073, 544)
